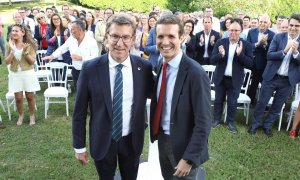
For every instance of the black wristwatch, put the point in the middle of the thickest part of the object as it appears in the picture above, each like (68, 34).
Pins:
(189, 162)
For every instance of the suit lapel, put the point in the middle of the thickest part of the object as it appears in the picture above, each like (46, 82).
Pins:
(103, 75)
(137, 80)
(181, 76)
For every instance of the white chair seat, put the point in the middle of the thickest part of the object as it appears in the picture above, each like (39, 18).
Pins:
(244, 98)
(56, 92)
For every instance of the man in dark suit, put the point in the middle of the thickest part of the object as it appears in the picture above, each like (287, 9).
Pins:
(230, 55)
(205, 41)
(260, 39)
(281, 74)
(114, 87)
(180, 106)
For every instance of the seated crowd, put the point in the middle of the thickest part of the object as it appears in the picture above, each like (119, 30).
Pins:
(231, 43)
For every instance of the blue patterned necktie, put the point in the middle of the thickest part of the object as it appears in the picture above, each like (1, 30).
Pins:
(118, 104)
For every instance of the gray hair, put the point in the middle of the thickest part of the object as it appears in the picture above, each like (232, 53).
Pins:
(81, 25)
(121, 19)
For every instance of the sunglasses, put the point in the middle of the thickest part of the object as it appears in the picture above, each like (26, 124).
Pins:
(40, 18)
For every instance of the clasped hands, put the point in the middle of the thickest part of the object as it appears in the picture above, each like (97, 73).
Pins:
(238, 50)
(293, 45)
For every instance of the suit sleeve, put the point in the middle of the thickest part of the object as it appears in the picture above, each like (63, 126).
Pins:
(215, 55)
(80, 110)
(201, 103)
(275, 54)
(150, 46)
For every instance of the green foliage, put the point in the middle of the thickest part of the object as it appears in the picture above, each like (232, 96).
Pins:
(117, 5)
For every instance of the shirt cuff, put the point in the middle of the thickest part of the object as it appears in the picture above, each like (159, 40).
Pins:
(82, 150)
(296, 55)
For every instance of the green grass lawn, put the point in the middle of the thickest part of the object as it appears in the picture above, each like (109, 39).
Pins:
(45, 150)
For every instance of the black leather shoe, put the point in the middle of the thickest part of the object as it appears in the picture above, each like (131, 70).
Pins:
(215, 124)
(231, 128)
(252, 130)
(268, 132)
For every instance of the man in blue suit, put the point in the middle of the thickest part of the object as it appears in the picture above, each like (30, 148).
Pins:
(260, 39)
(230, 55)
(281, 74)
(180, 106)
(205, 41)
(115, 88)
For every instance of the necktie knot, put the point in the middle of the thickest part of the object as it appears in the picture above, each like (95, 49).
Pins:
(119, 67)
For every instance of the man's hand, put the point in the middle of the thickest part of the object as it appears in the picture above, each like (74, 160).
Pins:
(239, 48)
(222, 50)
(295, 45)
(201, 40)
(182, 169)
(76, 57)
(212, 40)
(50, 58)
(287, 47)
(82, 158)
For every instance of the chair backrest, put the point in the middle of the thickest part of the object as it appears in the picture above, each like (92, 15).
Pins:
(210, 69)
(40, 64)
(58, 75)
(297, 95)
(246, 82)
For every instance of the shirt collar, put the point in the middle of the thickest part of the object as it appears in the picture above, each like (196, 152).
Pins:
(113, 63)
(176, 60)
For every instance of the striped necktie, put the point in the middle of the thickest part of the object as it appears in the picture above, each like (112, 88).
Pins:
(118, 104)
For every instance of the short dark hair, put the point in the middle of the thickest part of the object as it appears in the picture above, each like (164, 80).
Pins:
(121, 20)
(207, 17)
(109, 9)
(247, 17)
(295, 16)
(48, 8)
(239, 21)
(171, 19)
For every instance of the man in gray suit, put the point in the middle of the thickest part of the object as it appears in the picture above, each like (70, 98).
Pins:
(180, 106)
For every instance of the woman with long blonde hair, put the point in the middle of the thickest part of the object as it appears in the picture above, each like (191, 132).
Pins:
(20, 55)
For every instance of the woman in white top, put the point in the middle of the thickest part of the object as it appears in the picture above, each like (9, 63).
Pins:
(20, 55)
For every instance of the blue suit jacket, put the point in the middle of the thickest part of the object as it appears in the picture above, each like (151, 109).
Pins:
(94, 92)
(275, 57)
(200, 50)
(151, 48)
(190, 112)
(53, 46)
(244, 60)
(259, 52)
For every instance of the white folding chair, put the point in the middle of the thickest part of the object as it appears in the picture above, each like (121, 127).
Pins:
(57, 85)
(294, 106)
(210, 69)
(243, 97)
(2, 106)
(40, 66)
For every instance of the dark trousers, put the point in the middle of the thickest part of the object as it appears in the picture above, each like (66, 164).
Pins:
(256, 79)
(226, 88)
(121, 153)
(283, 89)
(168, 162)
(75, 76)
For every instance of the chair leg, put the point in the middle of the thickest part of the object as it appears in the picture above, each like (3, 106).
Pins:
(67, 106)
(247, 116)
(290, 119)
(46, 102)
(280, 119)
(2, 106)
(8, 109)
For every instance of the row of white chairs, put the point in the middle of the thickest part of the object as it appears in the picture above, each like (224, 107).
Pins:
(243, 98)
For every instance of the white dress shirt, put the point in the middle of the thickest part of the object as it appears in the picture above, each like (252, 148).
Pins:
(172, 71)
(232, 48)
(127, 93)
(206, 41)
(284, 67)
(88, 49)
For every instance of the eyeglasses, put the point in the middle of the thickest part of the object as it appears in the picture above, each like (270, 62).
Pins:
(115, 38)
(40, 18)
(234, 30)
(294, 25)
(55, 19)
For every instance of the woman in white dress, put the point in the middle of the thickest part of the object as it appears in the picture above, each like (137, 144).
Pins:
(20, 55)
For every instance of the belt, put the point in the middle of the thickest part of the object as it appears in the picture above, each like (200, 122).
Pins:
(281, 76)
(227, 77)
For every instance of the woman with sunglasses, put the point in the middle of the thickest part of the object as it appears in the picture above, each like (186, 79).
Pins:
(40, 31)
(56, 36)
(20, 55)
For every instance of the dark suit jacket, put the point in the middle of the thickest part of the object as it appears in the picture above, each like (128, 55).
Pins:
(201, 49)
(94, 92)
(53, 46)
(275, 57)
(244, 60)
(191, 47)
(259, 52)
(190, 113)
